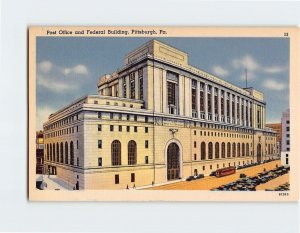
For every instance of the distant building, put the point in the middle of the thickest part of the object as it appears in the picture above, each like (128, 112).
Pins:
(39, 152)
(277, 127)
(285, 141)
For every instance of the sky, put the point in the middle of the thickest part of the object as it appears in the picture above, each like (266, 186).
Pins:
(69, 67)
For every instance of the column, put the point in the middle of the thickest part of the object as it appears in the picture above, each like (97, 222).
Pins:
(213, 103)
(120, 87)
(164, 92)
(235, 109)
(127, 87)
(225, 106)
(198, 99)
(244, 112)
(205, 101)
(240, 110)
(219, 104)
(249, 114)
(180, 106)
(230, 104)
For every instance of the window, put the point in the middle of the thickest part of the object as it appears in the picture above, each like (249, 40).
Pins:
(217, 155)
(193, 99)
(135, 117)
(132, 85)
(61, 152)
(243, 149)
(141, 84)
(132, 177)
(117, 179)
(171, 93)
(203, 152)
(116, 153)
(128, 117)
(124, 87)
(120, 116)
(146, 119)
(195, 156)
(287, 121)
(287, 128)
(209, 100)
(195, 132)
(77, 128)
(132, 152)
(287, 135)
(195, 144)
(210, 150)
(128, 128)
(238, 150)
(66, 153)
(201, 99)
(100, 161)
(223, 150)
(99, 127)
(287, 142)
(135, 129)
(100, 144)
(111, 128)
(146, 144)
(146, 159)
(71, 153)
(111, 116)
(120, 128)
(99, 115)
(57, 152)
(228, 150)
(146, 129)
(77, 146)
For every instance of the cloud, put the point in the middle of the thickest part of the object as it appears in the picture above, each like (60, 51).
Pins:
(45, 66)
(78, 69)
(274, 85)
(245, 62)
(275, 69)
(42, 115)
(59, 79)
(220, 71)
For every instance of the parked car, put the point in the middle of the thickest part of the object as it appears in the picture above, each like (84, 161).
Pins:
(242, 175)
(213, 173)
(190, 178)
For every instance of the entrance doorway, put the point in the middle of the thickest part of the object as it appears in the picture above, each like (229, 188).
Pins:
(173, 162)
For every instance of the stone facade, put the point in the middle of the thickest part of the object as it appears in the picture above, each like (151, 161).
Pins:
(154, 120)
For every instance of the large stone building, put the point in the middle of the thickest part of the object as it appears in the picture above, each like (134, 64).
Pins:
(285, 138)
(39, 152)
(277, 128)
(154, 120)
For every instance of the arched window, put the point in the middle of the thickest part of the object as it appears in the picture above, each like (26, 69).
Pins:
(71, 153)
(61, 152)
(247, 149)
(47, 151)
(203, 153)
(217, 155)
(238, 150)
(243, 149)
(57, 152)
(54, 157)
(66, 153)
(228, 150)
(116, 153)
(223, 150)
(50, 152)
(233, 150)
(132, 152)
(210, 150)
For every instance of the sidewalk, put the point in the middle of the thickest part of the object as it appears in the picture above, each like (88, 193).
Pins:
(54, 183)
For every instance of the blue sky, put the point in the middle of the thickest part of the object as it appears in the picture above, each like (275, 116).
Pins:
(69, 67)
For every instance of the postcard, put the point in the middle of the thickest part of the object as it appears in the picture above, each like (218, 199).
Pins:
(163, 114)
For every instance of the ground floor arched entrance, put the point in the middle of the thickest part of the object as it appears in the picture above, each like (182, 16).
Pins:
(173, 161)
(259, 153)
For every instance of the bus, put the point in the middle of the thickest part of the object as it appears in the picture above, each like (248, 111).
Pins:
(225, 171)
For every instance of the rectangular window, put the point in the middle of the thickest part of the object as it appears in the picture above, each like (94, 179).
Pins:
(216, 102)
(132, 85)
(128, 128)
(195, 156)
(111, 128)
(100, 161)
(287, 121)
(222, 103)
(135, 129)
(171, 93)
(193, 99)
(201, 101)
(146, 119)
(124, 87)
(99, 127)
(111, 116)
(288, 142)
(120, 128)
(141, 84)
(77, 145)
(77, 128)
(146, 129)
(195, 144)
(99, 115)
(146, 143)
(287, 135)
(209, 100)
(100, 144)
(128, 117)
(117, 179)
(228, 105)
(146, 159)
(120, 116)
(135, 117)
(287, 128)
(132, 177)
